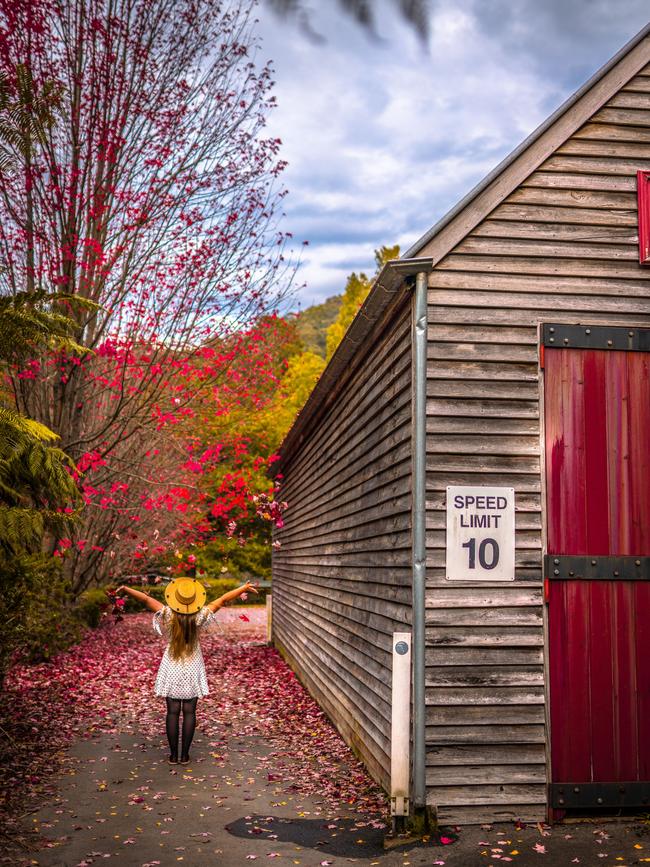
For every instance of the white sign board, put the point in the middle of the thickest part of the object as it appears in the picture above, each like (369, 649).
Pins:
(480, 533)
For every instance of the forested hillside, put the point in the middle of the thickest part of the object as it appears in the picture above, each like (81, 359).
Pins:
(312, 324)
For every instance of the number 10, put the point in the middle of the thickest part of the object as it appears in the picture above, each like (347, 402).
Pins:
(482, 549)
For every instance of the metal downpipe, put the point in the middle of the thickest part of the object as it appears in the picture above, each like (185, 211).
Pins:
(419, 343)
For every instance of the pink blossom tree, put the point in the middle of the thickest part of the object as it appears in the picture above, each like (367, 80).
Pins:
(154, 194)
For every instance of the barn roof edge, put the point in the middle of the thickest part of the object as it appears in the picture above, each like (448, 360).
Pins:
(498, 170)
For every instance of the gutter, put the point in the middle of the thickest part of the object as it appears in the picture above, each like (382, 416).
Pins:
(420, 820)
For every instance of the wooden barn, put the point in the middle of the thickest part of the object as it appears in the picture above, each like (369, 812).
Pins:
(473, 467)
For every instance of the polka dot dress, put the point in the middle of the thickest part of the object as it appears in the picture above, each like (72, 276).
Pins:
(185, 677)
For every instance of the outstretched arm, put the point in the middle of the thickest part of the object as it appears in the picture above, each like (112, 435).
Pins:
(232, 594)
(149, 601)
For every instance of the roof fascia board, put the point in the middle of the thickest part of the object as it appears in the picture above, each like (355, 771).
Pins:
(532, 152)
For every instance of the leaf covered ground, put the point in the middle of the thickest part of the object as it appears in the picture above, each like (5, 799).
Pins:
(84, 777)
(104, 686)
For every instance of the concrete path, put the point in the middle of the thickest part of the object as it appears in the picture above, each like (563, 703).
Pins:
(121, 803)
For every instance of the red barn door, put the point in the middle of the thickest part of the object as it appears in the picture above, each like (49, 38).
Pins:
(597, 423)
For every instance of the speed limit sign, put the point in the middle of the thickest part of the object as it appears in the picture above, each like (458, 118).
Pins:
(480, 533)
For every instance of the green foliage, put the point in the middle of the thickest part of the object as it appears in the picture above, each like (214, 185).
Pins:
(25, 117)
(355, 293)
(50, 625)
(239, 563)
(36, 485)
(313, 322)
(29, 320)
(295, 387)
(249, 562)
(91, 605)
(35, 625)
(218, 586)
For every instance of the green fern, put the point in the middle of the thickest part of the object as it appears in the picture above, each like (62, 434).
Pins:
(13, 423)
(26, 113)
(31, 320)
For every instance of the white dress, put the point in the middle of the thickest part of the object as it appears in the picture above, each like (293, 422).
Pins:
(184, 677)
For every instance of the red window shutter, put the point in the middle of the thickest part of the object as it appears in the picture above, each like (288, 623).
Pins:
(643, 190)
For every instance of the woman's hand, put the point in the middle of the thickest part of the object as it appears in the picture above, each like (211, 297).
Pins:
(216, 604)
(122, 589)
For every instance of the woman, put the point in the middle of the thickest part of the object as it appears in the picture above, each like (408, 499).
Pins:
(181, 676)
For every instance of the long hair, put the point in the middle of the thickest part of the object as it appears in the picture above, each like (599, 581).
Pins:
(183, 635)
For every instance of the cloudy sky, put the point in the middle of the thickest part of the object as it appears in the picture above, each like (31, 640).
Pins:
(384, 134)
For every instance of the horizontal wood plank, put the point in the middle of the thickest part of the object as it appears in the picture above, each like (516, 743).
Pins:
(540, 248)
(467, 617)
(551, 265)
(565, 214)
(484, 775)
(485, 695)
(629, 98)
(478, 676)
(605, 199)
(596, 148)
(575, 181)
(534, 284)
(639, 84)
(510, 794)
(625, 304)
(606, 130)
(499, 368)
(491, 813)
(612, 166)
(439, 332)
(571, 233)
(623, 117)
(491, 426)
(454, 637)
(493, 656)
(480, 408)
(484, 352)
(479, 752)
(470, 717)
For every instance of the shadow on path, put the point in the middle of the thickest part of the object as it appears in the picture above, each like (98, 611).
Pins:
(340, 838)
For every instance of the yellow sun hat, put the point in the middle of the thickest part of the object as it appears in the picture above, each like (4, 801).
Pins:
(185, 595)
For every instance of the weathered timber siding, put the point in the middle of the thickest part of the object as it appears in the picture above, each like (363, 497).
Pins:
(342, 578)
(563, 246)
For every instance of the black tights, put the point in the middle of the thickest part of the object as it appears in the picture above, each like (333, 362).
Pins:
(189, 724)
